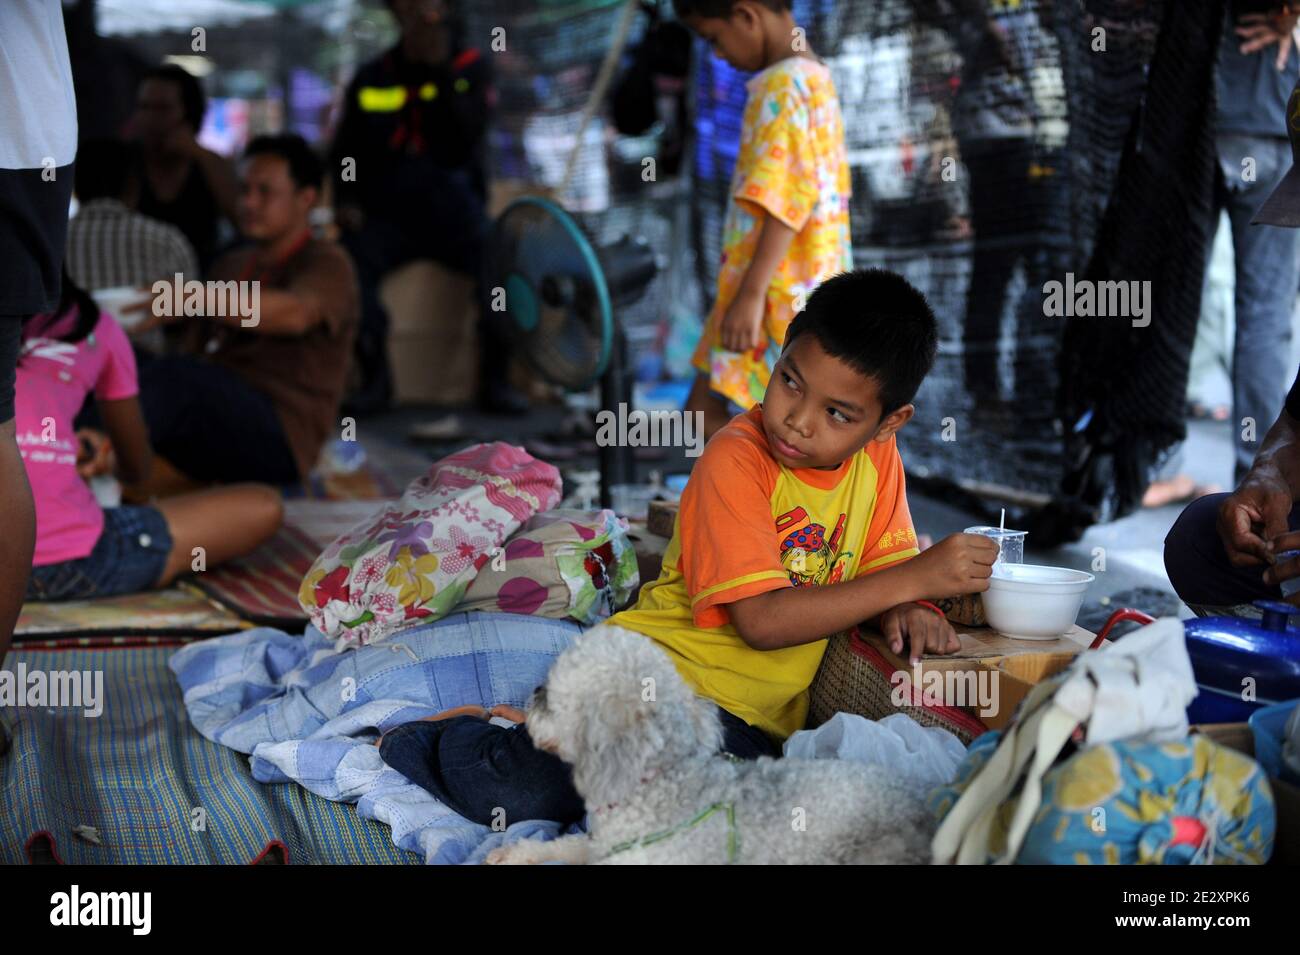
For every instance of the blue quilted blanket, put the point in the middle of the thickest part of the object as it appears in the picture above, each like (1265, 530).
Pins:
(309, 715)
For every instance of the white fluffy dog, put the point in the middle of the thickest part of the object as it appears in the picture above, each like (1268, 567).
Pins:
(645, 755)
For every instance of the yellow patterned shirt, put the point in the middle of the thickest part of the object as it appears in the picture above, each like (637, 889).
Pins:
(792, 165)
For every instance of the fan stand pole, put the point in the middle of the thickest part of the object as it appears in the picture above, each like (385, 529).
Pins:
(617, 462)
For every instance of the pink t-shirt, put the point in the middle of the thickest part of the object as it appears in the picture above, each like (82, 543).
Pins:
(54, 378)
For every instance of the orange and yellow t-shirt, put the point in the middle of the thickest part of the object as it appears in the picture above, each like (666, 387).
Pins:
(793, 166)
(747, 525)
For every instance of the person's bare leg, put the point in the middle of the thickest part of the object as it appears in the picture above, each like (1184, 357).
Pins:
(1176, 490)
(18, 538)
(713, 405)
(227, 522)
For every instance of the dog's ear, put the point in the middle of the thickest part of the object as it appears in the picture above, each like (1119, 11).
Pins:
(626, 703)
(616, 742)
(669, 710)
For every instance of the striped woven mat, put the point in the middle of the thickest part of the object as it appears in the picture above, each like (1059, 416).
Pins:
(263, 587)
(174, 611)
(323, 521)
(142, 781)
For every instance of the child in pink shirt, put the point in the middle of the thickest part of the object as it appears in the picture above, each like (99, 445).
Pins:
(83, 550)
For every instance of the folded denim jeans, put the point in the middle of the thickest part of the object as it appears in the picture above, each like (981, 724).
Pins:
(495, 776)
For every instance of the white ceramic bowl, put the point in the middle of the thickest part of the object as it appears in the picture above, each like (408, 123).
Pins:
(1032, 602)
(114, 300)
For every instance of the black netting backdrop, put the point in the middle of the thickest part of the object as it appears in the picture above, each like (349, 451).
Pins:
(995, 145)
(987, 142)
(1128, 384)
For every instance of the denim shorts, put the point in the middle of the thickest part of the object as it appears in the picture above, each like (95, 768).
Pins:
(129, 557)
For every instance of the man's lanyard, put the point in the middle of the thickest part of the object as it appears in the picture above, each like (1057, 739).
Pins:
(265, 274)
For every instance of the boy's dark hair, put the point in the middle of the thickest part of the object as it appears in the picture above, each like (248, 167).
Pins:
(879, 324)
(193, 101)
(721, 9)
(105, 167)
(305, 167)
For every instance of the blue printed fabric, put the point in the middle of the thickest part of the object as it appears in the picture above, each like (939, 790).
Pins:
(310, 715)
(1117, 803)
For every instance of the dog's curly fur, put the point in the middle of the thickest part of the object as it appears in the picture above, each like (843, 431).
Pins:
(645, 755)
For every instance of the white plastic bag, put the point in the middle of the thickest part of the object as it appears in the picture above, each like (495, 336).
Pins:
(926, 755)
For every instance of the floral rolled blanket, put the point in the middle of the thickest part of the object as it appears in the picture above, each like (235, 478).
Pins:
(564, 564)
(413, 560)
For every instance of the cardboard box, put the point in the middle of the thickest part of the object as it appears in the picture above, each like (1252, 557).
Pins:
(1286, 797)
(432, 334)
(649, 549)
(999, 670)
(661, 518)
(1017, 676)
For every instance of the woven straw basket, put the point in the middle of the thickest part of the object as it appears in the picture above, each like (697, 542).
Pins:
(855, 678)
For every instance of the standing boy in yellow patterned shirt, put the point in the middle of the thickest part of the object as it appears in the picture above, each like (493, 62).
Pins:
(787, 223)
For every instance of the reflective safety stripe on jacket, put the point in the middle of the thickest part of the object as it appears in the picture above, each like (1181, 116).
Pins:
(390, 99)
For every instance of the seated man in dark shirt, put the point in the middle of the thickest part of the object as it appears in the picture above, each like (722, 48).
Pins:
(1227, 550)
(258, 395)
(1222, 552)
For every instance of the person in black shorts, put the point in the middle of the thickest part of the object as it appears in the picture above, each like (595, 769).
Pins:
(38, 112)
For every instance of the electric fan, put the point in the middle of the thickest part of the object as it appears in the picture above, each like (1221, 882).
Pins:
(557, 293)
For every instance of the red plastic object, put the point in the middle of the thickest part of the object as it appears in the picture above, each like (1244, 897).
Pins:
(1188, 830)
(1124, 613)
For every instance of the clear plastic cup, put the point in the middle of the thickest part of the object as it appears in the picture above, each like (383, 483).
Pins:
(1011, 543)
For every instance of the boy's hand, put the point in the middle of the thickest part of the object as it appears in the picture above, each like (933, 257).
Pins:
(958, 564)
(923, 629)
(742, 321)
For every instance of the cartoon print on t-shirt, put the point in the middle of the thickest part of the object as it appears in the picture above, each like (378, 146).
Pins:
(807, 555)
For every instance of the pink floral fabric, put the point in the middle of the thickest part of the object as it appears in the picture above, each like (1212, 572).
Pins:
(412, 562)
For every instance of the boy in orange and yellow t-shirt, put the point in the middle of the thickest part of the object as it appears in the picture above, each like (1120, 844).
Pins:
(787, 223)
(794, 524)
